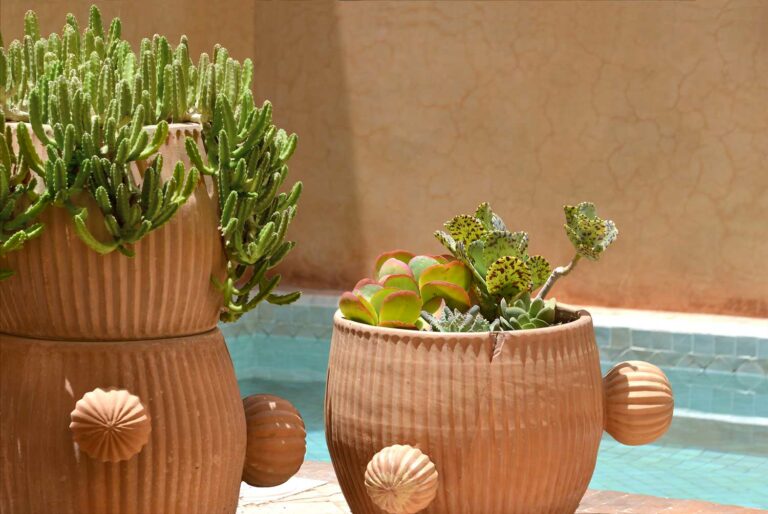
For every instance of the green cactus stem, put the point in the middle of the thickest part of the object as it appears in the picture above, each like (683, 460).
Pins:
(89, 98)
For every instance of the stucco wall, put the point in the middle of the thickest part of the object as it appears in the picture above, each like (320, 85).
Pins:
(409, 113)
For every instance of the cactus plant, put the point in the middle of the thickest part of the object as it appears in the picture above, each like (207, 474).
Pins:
(90, 99)
(405, 285)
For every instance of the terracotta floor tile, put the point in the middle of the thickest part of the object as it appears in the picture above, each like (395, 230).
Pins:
(327, 499)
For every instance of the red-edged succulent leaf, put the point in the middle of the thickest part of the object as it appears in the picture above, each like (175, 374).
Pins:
(403, 282)
(364, 282)
(368, 290)
(400, 324)
(401, 255)
(378, 298)
(393, 266)
(455, 297)
(454, 272)
(434, 306)
(420, 263)
(355, 308)
(400, 307)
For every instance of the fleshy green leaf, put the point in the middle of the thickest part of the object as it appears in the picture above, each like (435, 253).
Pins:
(404, 282)
(393, 266)
(455, 297)
(355, 308)
(401, 308)
(589, 233)
(465, 229)
(508, 276)
(540, 270)
(454, 272)
(420, 263)
(401, 255)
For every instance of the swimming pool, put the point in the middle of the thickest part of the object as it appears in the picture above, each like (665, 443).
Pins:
(716, 449)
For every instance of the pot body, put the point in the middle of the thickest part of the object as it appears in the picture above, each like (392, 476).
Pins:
(61, 289)
(191, 464)
(512, 420)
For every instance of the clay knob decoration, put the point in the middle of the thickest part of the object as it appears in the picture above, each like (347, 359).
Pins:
(638, 403)
(277, 440)
(110, 426)
(400, 479)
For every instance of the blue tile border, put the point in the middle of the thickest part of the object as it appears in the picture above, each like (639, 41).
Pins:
(311, 318)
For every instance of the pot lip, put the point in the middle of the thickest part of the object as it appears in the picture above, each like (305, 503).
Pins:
(583, 320)
(190, 125)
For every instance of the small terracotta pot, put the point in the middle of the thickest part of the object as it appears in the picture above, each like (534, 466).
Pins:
(138, 427)
(62, 289)
(511, 421)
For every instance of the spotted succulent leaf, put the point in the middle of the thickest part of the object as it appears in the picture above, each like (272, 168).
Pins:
(465, 229)
(588, 233)
(540, 270)
(508, 276)
(490, 220)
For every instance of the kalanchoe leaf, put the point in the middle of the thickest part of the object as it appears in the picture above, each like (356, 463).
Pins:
(589, 233)
(454, 296)
(453, 272)
(419, 263)
(403, 282)
(400, 308)
(508, 276)
(489, 219)
(355, 308)
(393, 266)
(403, 256)
(540, 270)
(446, 240)
(465, 229)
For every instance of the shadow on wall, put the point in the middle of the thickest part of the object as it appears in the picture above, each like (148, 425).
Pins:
(298, 61)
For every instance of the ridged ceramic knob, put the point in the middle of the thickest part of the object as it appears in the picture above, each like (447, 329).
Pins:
(400, 479)
(110, 426)
(277, 440)
(638, 403)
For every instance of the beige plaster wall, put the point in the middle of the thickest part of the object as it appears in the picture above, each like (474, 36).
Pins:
(409, 113)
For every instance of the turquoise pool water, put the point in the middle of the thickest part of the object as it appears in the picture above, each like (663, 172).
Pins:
(716, 449)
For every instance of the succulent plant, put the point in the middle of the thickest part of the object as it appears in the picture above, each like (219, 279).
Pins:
(89, 99)
(525, 314)
(589, 233)
(405, 285)
(590, 236)
(456, 321)
(498, 258)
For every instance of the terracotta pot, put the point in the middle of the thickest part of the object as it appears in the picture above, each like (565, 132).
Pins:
(511, 421)
(62, 289)
(182, 452)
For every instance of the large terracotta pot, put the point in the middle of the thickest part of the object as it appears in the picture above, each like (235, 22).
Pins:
(474, 423)
(62, 289)
(194, 450)
(117, 392)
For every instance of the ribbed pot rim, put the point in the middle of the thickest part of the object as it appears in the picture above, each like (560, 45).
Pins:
(582, 320)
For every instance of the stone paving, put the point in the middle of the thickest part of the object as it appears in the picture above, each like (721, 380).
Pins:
(315, 491)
